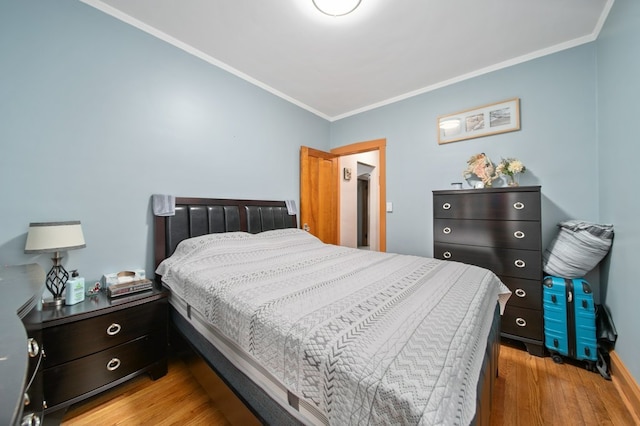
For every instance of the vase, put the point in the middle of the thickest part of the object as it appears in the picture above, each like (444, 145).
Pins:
(513, 180)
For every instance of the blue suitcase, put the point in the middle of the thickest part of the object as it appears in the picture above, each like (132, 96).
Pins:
(570, 320)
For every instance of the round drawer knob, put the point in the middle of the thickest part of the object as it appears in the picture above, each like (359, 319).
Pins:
(113, 364)
(446, 206)
(519, 263)
(446, 255)
(521, 322)
(446, 230)
(33, 348)
(520, 292)
(114, 329)
(518, 234)
(518, 205)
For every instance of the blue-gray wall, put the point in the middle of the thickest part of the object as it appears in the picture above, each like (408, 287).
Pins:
(618, 153)
(96, 116)
(557, 100)
(578, 109)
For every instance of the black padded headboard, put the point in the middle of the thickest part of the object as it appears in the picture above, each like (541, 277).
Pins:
(200, 216)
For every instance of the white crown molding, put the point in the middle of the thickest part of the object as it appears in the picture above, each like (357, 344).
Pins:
(109, 10)
(213, 61)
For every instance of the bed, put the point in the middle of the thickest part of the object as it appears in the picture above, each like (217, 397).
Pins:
(309, 333)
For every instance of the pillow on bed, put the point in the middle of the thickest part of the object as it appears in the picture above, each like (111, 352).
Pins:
(186, 247)
(577, 249)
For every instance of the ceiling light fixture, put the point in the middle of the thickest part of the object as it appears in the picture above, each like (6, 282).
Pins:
(336, 7)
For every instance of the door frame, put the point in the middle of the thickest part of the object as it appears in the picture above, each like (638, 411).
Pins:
(379, 145)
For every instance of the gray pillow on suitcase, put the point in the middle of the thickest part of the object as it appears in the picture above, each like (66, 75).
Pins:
(577, 248)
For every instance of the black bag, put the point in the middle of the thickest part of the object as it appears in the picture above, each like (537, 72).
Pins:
(606, 335)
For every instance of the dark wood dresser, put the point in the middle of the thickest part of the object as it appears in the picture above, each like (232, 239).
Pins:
(100, 343)
(498, 229)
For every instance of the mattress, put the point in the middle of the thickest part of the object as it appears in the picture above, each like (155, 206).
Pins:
(355, 336)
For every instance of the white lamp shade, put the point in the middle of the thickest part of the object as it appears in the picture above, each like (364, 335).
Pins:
(50, 237)
(336, 7)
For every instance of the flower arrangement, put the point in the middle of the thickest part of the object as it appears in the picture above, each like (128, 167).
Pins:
(482, 167)
(511, 167)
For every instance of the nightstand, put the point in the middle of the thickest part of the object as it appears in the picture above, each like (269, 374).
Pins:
(100, 343)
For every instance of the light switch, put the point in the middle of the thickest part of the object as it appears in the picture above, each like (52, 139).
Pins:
(389, 207)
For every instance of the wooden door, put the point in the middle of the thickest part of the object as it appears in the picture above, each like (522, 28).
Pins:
(319, 194)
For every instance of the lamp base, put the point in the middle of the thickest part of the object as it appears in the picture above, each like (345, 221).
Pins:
(57, 302)
(56, 280)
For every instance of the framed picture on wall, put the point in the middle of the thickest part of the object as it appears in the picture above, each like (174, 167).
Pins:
(490, 119)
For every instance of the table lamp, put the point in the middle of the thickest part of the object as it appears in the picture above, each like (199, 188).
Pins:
(54, 237)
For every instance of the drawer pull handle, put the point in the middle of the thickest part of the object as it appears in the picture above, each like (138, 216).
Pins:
(31, 419)
(518, 234)
(33, 347)
(518, 205)
(113, 364)
(446, 230)
(114, 329)
(519, 263)
(521, 322)
(446, 255)
(446, 206)
(520, 292)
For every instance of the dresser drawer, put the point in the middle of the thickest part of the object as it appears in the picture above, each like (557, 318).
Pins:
(526, 293)
(508, 262)
(521, 205)
(67, 381)
(67, 342)
(522, 322)
(492, 233)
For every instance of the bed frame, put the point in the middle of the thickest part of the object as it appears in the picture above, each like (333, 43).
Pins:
(199, 216)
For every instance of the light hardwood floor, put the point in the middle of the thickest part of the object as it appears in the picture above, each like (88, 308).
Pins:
(529, 391)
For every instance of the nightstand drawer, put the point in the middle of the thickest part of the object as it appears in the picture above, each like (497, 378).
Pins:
(89, 373)
(522, 322)
(509, 262)
(70, 341)
(506, 234)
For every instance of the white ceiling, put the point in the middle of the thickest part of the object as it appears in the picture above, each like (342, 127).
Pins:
(386, 50)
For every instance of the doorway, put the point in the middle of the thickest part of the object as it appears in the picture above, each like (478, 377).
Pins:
(363, 210)
(366, 161)
(322, 173)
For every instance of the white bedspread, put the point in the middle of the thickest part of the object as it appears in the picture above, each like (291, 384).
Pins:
(367, 337)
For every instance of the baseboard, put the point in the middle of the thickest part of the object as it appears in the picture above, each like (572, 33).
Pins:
(627, 387)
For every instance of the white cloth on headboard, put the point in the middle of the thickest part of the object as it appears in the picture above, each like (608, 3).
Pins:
(164, 205)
